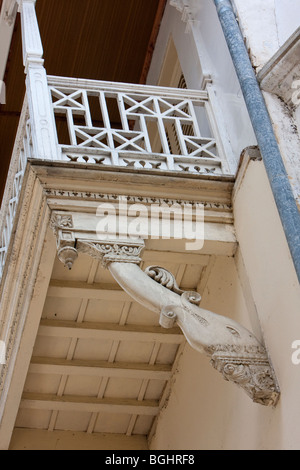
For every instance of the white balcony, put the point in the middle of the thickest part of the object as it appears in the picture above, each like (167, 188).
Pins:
(136, 126)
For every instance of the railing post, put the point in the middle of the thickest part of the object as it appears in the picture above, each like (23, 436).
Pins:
(40, 109)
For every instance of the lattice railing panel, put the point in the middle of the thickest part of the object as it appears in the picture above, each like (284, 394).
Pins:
(134, 125)
(22, 152)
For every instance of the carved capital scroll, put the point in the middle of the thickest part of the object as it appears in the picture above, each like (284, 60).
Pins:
(110, 251)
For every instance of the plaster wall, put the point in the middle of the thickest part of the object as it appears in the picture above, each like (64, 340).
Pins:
(258, 288)
(286, 129)
(276, 293)
(266, 25)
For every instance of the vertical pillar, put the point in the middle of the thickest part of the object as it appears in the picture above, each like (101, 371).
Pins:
(44, 134)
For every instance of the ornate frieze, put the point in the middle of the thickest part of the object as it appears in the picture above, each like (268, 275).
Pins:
(103, 197)
(110, 251)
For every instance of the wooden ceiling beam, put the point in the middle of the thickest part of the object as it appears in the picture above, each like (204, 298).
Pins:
(110, 331)
(46, 365)
(82, 290)
(39, 401)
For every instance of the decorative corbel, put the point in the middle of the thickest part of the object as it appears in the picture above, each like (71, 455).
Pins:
(233, 350)
(62, 225)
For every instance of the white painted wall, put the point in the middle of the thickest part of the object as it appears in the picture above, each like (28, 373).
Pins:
(288, 138)
(276, 294)
(266, 25)
(202, 50)
(287, 18)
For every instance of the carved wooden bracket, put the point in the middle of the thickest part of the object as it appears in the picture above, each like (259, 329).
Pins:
(234, 351)
(62, 226)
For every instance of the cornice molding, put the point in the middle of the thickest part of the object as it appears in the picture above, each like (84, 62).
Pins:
(281, 75)
(132, 199)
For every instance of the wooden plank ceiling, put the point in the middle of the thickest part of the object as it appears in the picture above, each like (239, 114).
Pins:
(101, 362)
(103, 40)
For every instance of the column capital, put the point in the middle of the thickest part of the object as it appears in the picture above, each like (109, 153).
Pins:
(111, 251)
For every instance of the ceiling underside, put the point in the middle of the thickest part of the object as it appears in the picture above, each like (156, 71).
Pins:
(102, 40)
(101, 363)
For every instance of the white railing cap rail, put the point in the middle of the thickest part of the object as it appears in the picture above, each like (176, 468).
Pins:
(98, 85)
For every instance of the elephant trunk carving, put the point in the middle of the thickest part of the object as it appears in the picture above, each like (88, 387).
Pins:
(233, 350)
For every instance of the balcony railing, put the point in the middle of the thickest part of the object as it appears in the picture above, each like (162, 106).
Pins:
(136, 126)
(22, 152)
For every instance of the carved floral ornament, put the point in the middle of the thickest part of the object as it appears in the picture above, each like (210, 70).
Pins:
(233, 350)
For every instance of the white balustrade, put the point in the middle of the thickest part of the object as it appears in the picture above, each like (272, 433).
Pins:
(136, 126)
(21, 153)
